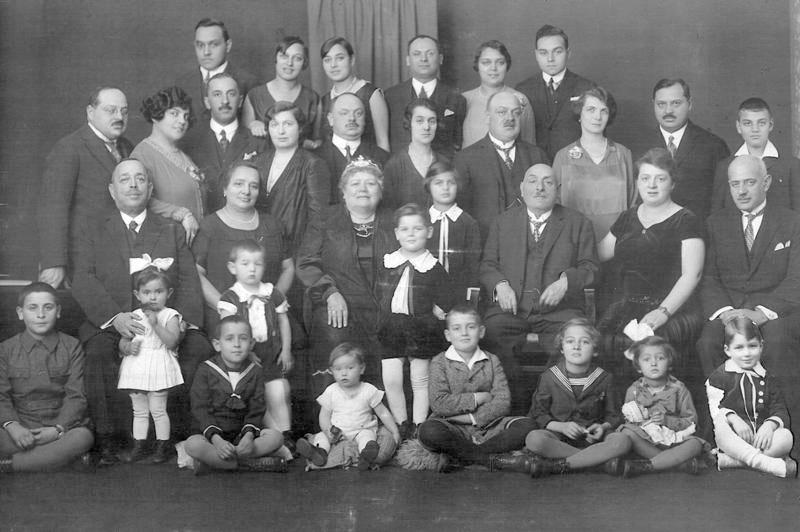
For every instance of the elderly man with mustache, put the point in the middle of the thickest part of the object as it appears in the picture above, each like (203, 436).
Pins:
(221, 141)
(538, 258)
(696, 151)
(74, 185)
(491, 170)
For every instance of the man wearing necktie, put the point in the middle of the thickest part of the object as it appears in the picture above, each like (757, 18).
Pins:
(102, 287)
(345, 144)
(75, 178)
(423, 61)
(538, 258)
(696, 151)
(491, 169)
(220, 142)
(551, 91)
(753, 270)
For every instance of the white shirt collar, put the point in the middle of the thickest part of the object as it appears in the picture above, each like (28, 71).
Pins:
(100, 135)
(430, 86)
(341, 144)
(757, 209)
(453, 213)
(676, 135)
(422, 263)
(139, 219)
(509, 144)
(211, 73)
(264, 290)
(731, 366)
(769, 150)
(557, 79)
(477, 356)
(230, 129)
(543, 218)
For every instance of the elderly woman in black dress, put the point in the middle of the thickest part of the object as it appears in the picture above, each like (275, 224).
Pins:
(338, 263)
(659, 252)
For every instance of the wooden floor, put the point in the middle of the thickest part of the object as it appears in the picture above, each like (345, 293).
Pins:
(145, 497)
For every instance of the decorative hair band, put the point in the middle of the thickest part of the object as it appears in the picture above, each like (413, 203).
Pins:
(138, 264)
(362, 163)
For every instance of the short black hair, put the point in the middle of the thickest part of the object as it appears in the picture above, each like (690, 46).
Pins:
(34, 287)
(755, 104)
(226, 178)
(661, 159)
(412, 209)
(151, 273)
(413, 104)
(233, 318)
(285, 43)
(249, 245)
(663, 83)
(423, 36)
(154, 107)
(494, 45)
(464, 308)
(551, 31)
(333, 41)
(601, 94)
(94, 96)
(211, 22)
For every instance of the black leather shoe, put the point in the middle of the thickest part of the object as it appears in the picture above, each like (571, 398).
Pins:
(634, 468)
(136, 453)
(107, 455)
(542, 467)
(509, 462)
(163, 451)
(273, 464)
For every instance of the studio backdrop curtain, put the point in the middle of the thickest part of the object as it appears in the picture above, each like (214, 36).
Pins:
(378, 30)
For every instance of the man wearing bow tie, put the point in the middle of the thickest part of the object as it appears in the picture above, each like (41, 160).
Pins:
(221, 141)
(102, 287)
(491, 169)
(346, 119)
(76, 174)
(752, 269)
(538, 258)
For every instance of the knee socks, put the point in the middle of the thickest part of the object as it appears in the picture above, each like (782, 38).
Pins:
(146, 404)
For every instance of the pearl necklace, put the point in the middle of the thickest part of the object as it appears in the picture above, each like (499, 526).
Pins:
(335, 93)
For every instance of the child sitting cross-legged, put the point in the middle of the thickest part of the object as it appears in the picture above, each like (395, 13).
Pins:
(470, 400)
(42, 402)
(227, 398)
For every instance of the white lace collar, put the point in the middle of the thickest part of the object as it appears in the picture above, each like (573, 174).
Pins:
(422, 263)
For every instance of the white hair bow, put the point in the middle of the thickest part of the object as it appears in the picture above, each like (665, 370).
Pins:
(138, 264)
(636, 331)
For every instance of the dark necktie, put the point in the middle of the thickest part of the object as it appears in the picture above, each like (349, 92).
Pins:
(347, 153)
(112, 148)
(206, 77)
(551, 89)
(537, 228)
(749, 233)
(671, 146)
(506, 155)
(223, 141)
(422, 93)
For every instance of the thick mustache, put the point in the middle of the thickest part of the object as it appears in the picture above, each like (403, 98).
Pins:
(669, 115)
(225, 107)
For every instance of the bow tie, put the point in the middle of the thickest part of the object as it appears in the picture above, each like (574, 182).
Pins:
(235, 402)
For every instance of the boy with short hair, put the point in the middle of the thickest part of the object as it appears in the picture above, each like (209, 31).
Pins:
(754, 123)
(42, 402)
(470, 399)
(228, 407)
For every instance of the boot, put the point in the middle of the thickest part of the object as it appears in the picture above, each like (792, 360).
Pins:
(164, 450)
(316, 455)
(106, 452)
(270, 464)
(520, 463)
(408, 431)
(542, 467)
(5, 465)
(634, 468)
(368, 455)
(137, 452)
(693, 466)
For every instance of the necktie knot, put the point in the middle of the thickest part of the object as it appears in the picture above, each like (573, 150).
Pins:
(749, 230)
(133, 225)
(507, 160)
(422, 93)
(223, 140)
(348, 153)
(671, 146)
(113, 150)
(537, 227)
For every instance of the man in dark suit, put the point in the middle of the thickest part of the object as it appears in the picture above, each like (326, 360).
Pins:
(76, 173)
(491, 170)
(695, 150)
(423, 61)
(212, 44)
(346, 119)
(551, 92)
(536, 262)
(102, 287)
(754, 123)
(221, 141)
(752, 269)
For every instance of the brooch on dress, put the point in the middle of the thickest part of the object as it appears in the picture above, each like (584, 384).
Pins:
(575, 152)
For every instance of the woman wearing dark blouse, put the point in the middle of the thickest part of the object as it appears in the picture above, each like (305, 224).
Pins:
(659, 252)
(338, 262)
(238, 220)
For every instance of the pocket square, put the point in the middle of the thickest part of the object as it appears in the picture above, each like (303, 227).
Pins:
(781, 245)
(449, 112)
(574, 98)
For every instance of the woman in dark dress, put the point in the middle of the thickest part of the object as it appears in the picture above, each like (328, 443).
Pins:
(659, 252)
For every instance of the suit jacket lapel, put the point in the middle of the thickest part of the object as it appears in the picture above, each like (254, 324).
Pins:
(553, 229)
(149, 234)
(769, 225)
(119, 236)
(564, 92)
(98, 150)
(732, 238)
(687, 143)
(237, 146)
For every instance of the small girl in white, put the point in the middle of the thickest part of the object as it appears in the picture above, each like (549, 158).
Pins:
(152, 367)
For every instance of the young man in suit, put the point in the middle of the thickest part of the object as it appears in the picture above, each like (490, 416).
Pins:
(221, 141)
(346, 119)
(102, 288)
(696, 151)
(491, 170)
(536, 262)
(754, 123)
(551, 92)
(212, 44)
(423, 60)
(75, 178)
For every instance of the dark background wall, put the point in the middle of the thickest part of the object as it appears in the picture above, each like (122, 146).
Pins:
(53, 53)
